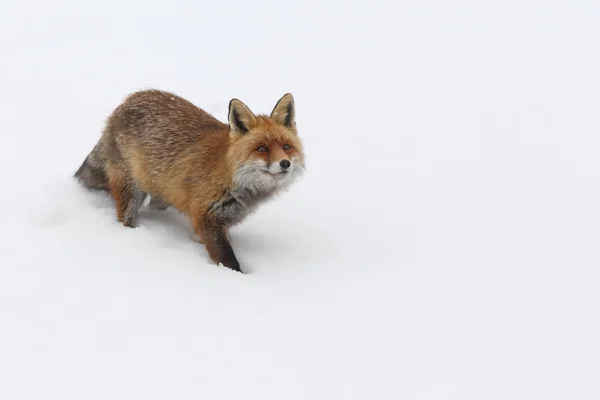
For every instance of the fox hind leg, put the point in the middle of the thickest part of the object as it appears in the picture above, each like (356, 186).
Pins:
(131, 209)
(128, 197)
(156, 203)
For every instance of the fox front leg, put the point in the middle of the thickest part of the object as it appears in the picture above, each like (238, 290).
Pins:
(214, 235)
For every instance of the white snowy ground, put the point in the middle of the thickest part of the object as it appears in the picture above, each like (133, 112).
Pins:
(444, 243)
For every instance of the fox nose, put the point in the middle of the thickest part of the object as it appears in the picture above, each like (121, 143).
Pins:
(285, 164)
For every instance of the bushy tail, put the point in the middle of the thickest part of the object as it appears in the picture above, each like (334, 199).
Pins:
(92, 173)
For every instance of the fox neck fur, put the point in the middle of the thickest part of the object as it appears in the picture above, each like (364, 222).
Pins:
(252, 185)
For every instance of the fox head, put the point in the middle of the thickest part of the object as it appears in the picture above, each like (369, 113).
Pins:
(265, 152)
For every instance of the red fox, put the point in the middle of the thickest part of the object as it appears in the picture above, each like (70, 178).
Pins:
(159, 144)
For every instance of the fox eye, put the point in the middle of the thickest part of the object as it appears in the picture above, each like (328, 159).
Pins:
(261, 149)
(286, 147)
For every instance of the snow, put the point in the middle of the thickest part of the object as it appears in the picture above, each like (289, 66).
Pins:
(443, 244)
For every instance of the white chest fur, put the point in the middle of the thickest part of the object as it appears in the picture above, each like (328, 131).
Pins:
(253, 184)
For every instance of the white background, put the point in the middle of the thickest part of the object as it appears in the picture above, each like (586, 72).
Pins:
(444, 243)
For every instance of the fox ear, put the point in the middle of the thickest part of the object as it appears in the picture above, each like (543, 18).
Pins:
(284, 112)
(241, 119)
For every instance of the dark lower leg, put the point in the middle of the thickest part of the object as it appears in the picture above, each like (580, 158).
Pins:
(214, 235)
(128, 199)
(136, 198)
